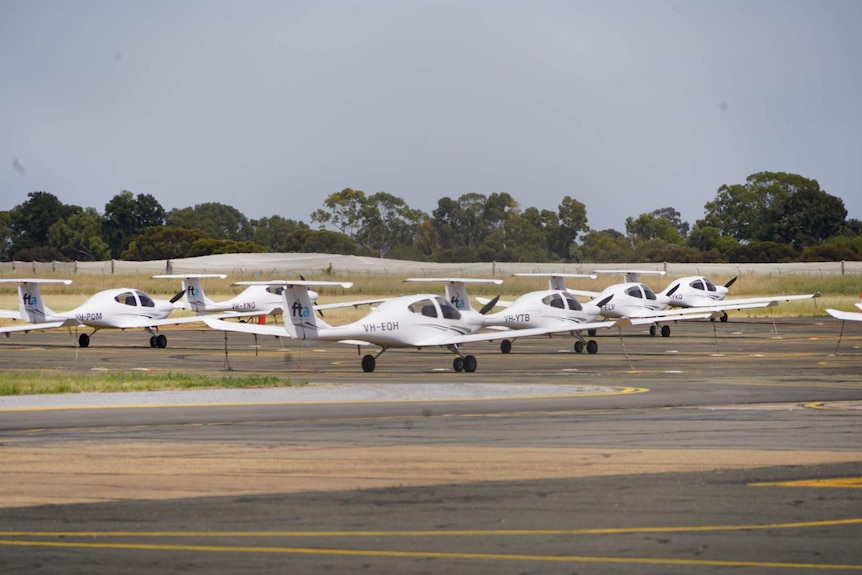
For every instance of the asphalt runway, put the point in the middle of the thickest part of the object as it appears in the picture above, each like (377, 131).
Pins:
(724, 446)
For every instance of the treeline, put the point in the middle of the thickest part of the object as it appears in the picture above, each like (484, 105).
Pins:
(772, 217)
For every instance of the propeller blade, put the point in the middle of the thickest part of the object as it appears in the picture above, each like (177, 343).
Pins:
(672, 290)
(605, 301)
(730, 283)
(177, 297)
(489, 306)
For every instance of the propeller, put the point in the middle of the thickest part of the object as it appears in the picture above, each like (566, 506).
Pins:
(730, 283)
(489, 306)
(672, 290)
(177, 297)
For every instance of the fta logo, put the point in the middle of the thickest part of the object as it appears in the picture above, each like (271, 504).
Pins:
(299, 310)
(30, 300)
(458, 302)
(192, 291)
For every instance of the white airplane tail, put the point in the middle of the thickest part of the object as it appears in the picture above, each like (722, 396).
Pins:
(300, 321)
(30, 303)
(194, 296)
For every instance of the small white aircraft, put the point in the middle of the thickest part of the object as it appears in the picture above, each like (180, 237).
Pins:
(639, 304)
(120, 308)
(551, 308)
(255, 299)
(699, 291)
(408, 321)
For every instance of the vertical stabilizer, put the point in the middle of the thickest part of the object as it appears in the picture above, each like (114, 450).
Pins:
(456, 293)
(194, 296)
(30, 302)
(300, 320)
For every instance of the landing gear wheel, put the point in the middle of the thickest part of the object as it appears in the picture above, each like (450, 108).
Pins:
(152, 341)
(579, 346)
(652, 330)
(470, 363)
(723, 316)
(505, 346)
(161, 341)
(368, 363)
(458, 364)
(83, 340)
(592, 347)
(591, 332)
(665, 331)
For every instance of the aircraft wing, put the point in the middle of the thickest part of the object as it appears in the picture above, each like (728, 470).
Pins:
(10, 314)
(670, 317)
(216, 322)
(516, 333)
(144, 322)
(845, 315)
(356, 303)
(38, 326)
(768, 301)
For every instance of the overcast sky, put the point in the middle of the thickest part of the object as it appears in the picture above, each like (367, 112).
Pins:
(626, 106)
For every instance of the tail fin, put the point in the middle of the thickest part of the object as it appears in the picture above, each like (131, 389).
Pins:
(194, 296)
(300, 321)
(456, 293)
(30, 303)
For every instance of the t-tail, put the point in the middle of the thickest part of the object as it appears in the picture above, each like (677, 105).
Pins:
(194, 296)
(30, 302)
(300, 320)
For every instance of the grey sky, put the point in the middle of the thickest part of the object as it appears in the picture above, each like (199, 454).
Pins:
(626, 106)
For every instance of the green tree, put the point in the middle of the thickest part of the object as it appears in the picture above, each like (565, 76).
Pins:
(5, 236)
(344, 210)
(162, 243)
(127, 216)
(79, 235)
(776, 207)
(30, 222)
(272, 232)
(322, 242)
(210, 246)
(675, 218)
(563, 227)
(650, 226)
(522, 239)
(606, 246)
(215, 220)
(387, 221)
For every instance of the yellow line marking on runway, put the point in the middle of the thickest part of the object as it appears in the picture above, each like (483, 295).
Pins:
(447, 533)
(837, 482)
(616, 391)
(440, 555)
(427, 554)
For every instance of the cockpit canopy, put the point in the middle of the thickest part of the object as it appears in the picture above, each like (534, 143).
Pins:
(703, 284)
(427, 308)
(562, 301)
(129, 298)
(640, 291)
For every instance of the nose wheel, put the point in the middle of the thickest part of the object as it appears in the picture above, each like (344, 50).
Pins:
(368, 363)
(159, 341)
